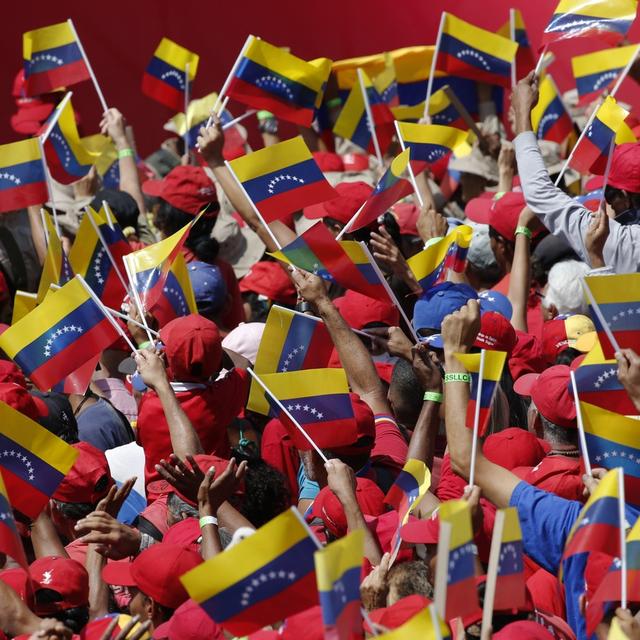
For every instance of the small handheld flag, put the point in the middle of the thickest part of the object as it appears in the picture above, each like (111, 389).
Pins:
(64, 331)
(10, 542)
(516, 30)
(549, 118)
(385, 83)
(607, 20)
(56, 269)
(270, 78)
(338, 568)
(282, 178)
(424, 624)
(33, 461)
(266, 577)
(22, 176)
(23, 302)
(471, 52)
(455, 589)
(166, 78)
(52, 59)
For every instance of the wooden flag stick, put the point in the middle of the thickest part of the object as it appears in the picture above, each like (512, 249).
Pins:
(432, 72)
(412, 175)
(286, 412)
(370, 121)
(237, 120)
(442, 569)
(103, 102)
(126, 318)
(347, 226)
(581, 436)
(623, 540)
(512, 36)
(476, 420)
(56, 116)
(462, 110)
(186, 108)
(492, 572)
(596, 308)
(625, 72)
(435, 621)
(136, 297)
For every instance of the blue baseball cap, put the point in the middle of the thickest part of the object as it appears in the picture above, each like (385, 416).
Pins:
(209, 287)
(438, 302)
(495, 301)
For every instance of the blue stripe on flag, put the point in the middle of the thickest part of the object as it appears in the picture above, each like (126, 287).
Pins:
(27, 466)
(167, 73)
(474, 57)
(53, 58)
(297, 340)
(19, 175)
(345, 590)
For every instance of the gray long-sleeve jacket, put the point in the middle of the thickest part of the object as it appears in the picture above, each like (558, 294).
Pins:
(566, 218)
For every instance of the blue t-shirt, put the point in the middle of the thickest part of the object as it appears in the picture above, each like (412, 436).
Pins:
(308, 489)
(546, 520)
(101, 426)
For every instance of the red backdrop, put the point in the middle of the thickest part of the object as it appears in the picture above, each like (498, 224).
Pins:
(120, 37)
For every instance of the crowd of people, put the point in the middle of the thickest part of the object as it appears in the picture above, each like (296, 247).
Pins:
(173, 468)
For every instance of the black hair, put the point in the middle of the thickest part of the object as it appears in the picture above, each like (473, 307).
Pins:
(177, 506)
(405, 381)
(266, 495)
(260, 306)
(567, 356)
(75, 618)
(122, 205)
(74, 510)
(517, 404)
(555, 434)
(169, 219)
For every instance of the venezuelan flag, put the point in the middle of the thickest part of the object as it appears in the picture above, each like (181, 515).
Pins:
(353, 124)
(106, 159)
(407, 491)
(421, 625)
(270, 78)
(67, 158)
(56, 268)
(282, 178)
(338, 568)
(390, 188)
(510, 582)
(525, 59)
(318, 399)
(267, 577)
(52, 59)
(385, 83)
(165, 79)
(593, 150)
(471, 52)
(78, 381)
(493, 366)
(412, 65)
(608, 20)
(59, 335)
(595, 72)
(10, 542)
(32, 459)
(591, 200)
(456, 530)
(148, 268)
(88, 256)
(613, 440)
(441, 110)
(619, 302)
(597, 528)
(431, 142)
(22, 179)
(23, 302)
(549, 118)
(429, 266)
(346, 71)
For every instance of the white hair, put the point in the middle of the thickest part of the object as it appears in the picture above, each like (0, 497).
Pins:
(564, 288)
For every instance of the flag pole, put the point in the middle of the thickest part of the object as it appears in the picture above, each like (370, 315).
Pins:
(127, 318)
(56, 116)
(512, 36)
(253, 206)
(476, 420)
(45, 231)
(607, 170)
(347, 226)
(543, 53)
(435, 621)
(107, 315)
(186, 108)
(623, 540)
(223, 106)
(492, 573)
(624, 73)
(136, 298)
(103, 102)
(582, 438)
(310, 533)
(601, 319)
(432, 72)
(49, 182)
(370, 121)
(412, 175)
(286, 412)
(565, 166)
(237, 120)
(442, 569)
(316, 319)
(392, 296)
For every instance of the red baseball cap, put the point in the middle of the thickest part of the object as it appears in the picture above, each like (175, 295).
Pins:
(156, 572)
(513, 447)
(477, 209)
(193, 348)
(398, 613)
(11, 372)
(355, 161)
(550, 393)
(187, 188)
(185, 534)
(559, 475)
(625, 167)
(269, 279)
(500, 211)
(306, 624)
(526, 356)
(359, 310)
(17, 397)
(351, 196)
(89, 480)
(496, 333)
(426, 531)
(365, 429)
(68, 577)
(190, 622)
(563, 332)
(20, 581)
(96, 628)
(328, 508)
(523, 630)
(328, 161)
(407, 216)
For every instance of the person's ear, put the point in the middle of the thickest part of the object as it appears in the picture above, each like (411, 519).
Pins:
(582, 604)
(152, 609)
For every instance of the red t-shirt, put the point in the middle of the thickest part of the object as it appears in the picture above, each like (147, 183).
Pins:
(534, 306)
(210, 410)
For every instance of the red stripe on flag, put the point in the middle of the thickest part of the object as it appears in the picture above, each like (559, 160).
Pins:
(510, 591)
(462, 599)
(560, 129)
(253, 96)
(23, 495)
(328, 434)
(23, 196)
(455, 67)
(349, 622)
(595, 537)
(162, 92)
(47, 81)
(56, 168)
(625, 340)
(588, 158)
(282, 204)
(76, 354)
